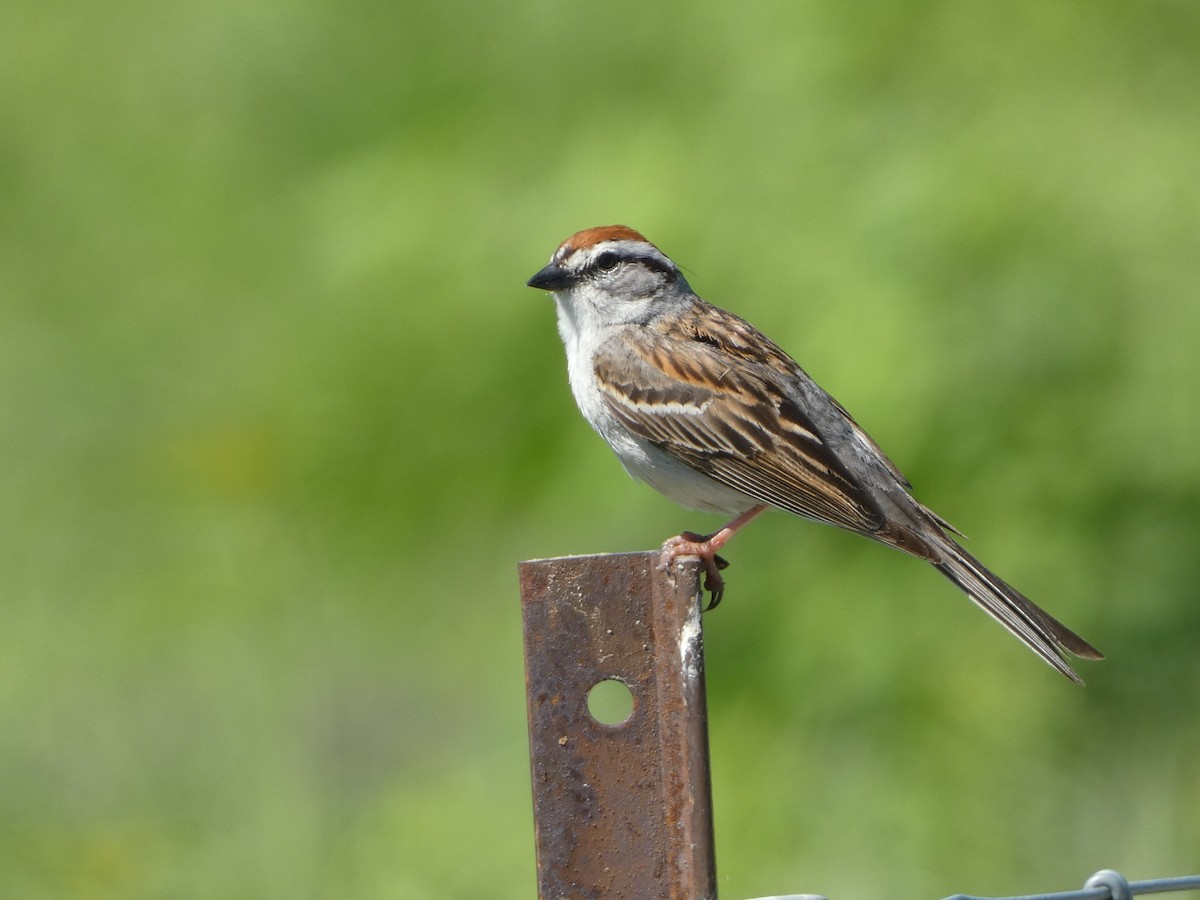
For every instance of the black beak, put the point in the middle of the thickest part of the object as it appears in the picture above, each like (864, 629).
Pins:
(551, 278)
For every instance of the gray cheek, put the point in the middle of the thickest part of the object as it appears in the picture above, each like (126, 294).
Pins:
(641, 283)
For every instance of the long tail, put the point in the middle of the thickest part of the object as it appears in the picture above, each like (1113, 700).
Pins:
(1041, 632)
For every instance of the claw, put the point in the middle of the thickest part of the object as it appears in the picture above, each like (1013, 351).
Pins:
(699, 545)
(713, 582)
(715, 588)
(705, 547)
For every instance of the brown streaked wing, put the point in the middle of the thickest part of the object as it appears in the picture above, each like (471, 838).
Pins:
(715, 412)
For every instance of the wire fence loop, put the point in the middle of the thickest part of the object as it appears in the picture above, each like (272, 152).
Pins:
(1118, 887)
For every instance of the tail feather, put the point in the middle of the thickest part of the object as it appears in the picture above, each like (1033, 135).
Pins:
(1040, 631)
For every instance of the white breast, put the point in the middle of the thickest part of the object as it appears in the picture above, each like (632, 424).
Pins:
(641, 459)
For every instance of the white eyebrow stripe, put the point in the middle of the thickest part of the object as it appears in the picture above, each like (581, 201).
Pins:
(625, 249)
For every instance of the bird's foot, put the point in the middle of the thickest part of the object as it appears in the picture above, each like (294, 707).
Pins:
(705, 548)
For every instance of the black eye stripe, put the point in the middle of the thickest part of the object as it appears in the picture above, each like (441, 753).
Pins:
(609, 260)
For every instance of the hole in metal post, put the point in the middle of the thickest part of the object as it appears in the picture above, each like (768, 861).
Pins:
(610, 702)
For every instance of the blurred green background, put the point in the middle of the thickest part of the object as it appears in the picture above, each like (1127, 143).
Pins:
(279, 418)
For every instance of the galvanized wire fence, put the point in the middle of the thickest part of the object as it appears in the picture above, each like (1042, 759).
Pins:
(1106, 884)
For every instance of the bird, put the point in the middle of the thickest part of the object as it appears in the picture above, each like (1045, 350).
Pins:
(702, 406)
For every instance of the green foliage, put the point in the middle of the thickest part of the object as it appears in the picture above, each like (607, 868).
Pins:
(279, 418)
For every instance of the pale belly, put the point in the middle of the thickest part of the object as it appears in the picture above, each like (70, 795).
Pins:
(678, 481)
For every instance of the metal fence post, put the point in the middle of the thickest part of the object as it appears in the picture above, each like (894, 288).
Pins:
(620, 810)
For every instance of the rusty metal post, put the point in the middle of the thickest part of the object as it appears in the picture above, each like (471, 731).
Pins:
(625, 810)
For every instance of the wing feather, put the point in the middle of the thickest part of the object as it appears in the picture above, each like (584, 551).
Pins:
(724, 415)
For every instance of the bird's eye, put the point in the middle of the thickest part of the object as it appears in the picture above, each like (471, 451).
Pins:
(607, 261)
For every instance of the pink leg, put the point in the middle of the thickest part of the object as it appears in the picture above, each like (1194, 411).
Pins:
(706, 547)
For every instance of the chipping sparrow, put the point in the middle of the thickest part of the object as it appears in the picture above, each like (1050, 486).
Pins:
(700, 405)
